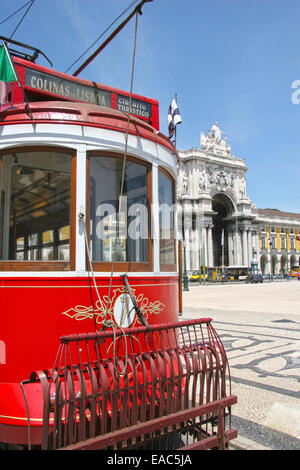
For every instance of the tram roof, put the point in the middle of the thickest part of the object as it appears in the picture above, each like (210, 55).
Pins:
(84, 114)
(44, 84)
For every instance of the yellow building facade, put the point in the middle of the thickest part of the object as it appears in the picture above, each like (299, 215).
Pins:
(279, 241)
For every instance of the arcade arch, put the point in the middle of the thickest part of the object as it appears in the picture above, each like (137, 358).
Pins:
(283, 263)
(263, 264)
(274, 262)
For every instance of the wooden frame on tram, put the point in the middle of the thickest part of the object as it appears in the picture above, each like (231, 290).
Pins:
(127, 266)
(53, 265)
(69, 265)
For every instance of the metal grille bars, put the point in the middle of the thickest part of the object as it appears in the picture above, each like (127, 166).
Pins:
(175, 392)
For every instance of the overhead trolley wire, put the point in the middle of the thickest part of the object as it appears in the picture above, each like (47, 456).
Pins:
(101, 35)
(21, 20)
(17, 11)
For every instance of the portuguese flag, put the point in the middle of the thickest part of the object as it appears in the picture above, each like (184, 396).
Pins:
(7, 69)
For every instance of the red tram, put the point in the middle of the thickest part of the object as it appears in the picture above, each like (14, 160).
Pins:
(69, 316)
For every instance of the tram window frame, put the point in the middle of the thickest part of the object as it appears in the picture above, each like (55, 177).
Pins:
(171, 266)
(46, 265)
(120, 266)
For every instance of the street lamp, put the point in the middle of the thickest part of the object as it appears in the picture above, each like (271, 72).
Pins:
(222, 248)
(254, 265)
(270, 245)
(287, 255)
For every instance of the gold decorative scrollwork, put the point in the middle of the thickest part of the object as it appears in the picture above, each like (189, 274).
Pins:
(98, 310)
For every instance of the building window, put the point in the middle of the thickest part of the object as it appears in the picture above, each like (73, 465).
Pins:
(273, 243)
(263, 242)
(292, 241)
(282, 243)
(46, 245)
(119, 227)
(36, 201)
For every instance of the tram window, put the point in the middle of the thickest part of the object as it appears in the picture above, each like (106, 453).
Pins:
(166, 219)
(127, 241)
(20, 254)
(36, 213)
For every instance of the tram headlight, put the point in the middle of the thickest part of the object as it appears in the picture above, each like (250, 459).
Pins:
(87, 403)
(53, 402)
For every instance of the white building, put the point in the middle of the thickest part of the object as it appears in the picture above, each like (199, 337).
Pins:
(221, 224)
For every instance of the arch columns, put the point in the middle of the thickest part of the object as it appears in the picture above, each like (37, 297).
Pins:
(244, 247)
(250, 255)
(210, 261)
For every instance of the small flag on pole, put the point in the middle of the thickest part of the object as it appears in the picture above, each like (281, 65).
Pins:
(174, 117)
(7, 68)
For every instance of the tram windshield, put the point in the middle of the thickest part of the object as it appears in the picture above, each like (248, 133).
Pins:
(127, 242)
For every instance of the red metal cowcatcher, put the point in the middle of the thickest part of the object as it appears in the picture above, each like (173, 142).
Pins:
(158, 387)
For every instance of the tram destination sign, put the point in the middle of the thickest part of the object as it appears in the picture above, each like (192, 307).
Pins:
(47, 83)
(138, 107)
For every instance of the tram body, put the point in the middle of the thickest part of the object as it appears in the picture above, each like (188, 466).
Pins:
(61, 164)
(48, 169)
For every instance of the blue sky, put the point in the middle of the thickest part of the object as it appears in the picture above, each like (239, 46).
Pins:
(229, 61)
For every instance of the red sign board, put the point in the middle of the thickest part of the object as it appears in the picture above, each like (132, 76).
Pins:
(42, 83)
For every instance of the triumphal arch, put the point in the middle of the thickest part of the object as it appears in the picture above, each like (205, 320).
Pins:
(214, 211)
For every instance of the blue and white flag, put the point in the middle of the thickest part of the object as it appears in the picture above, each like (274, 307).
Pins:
(174, 117)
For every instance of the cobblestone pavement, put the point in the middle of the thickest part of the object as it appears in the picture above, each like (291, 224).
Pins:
(259, 325)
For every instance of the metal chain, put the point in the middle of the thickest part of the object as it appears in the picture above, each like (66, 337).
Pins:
(109, 323)
(124, 162)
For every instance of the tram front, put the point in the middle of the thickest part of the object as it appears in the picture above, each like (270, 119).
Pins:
(92, 354)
